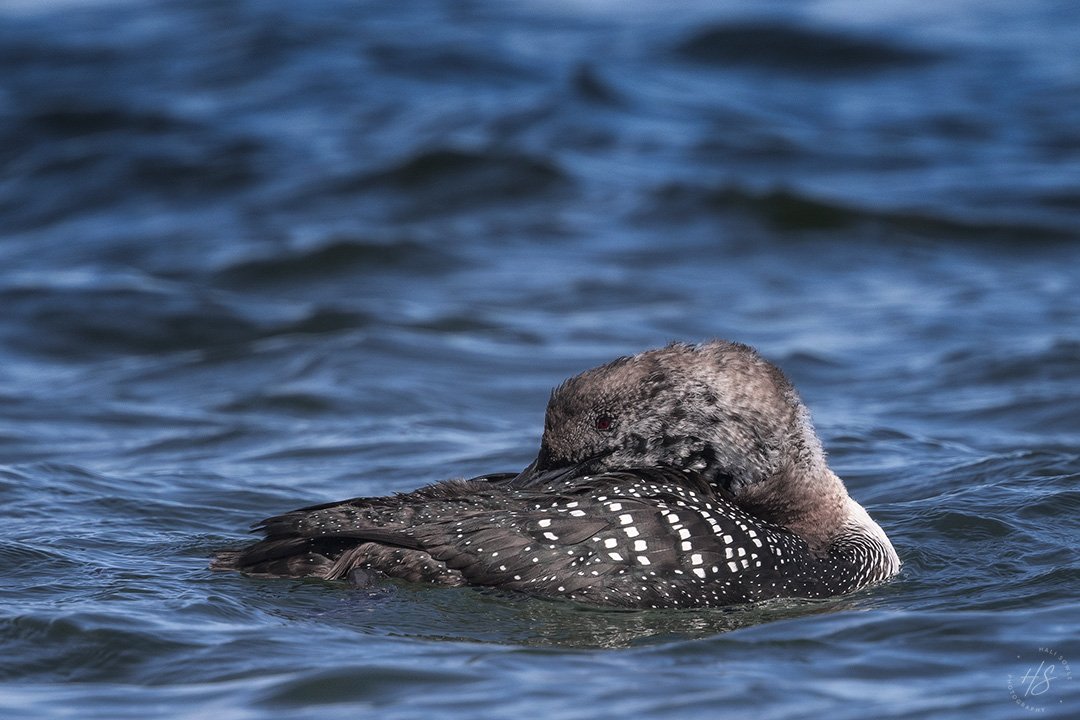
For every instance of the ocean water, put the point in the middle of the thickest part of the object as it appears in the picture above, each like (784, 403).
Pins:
(256, 255)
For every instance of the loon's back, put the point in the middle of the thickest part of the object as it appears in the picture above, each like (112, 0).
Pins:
(638, 538)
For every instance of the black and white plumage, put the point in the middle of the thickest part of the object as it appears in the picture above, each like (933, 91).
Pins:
(688, 476)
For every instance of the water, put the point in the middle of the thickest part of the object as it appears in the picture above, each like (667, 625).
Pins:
(259, 255)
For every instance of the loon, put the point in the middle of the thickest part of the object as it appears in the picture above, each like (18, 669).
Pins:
(682, 477)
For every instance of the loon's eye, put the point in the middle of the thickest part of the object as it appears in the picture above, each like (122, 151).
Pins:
(604, 423)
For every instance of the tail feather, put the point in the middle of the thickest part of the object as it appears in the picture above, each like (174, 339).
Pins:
(331, 540)
(275, 559)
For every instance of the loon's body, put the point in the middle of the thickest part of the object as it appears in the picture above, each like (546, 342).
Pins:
(688, 476)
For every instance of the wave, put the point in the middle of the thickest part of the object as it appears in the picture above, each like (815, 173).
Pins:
(444, 179)
(339, 256)
(803, 50)
(113, 315)
(786, 210)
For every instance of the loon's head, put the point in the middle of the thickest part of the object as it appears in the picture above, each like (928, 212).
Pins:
(717, 409)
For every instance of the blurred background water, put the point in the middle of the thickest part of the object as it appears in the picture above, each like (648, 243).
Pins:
(255, 255)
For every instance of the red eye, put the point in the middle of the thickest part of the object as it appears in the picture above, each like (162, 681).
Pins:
(604, 423)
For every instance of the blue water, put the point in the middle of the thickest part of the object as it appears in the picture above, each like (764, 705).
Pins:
(256, 255)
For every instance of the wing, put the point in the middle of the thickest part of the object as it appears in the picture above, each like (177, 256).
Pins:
(641, 538)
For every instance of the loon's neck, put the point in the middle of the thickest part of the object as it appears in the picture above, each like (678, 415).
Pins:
(864, 544)
(812, 502)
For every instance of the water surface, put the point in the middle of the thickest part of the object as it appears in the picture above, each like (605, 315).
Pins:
(261, 255)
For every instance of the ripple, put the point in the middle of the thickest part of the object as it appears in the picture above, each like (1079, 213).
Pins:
(790, 211)
(449, 61)
(1059, 361)
(591, 86)
(802, 50)
(25, 561)
(340, 256)
(72, 122)
(274, 401)
(453, 179)
(376, 684)
(80, 647)
(81, 321)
